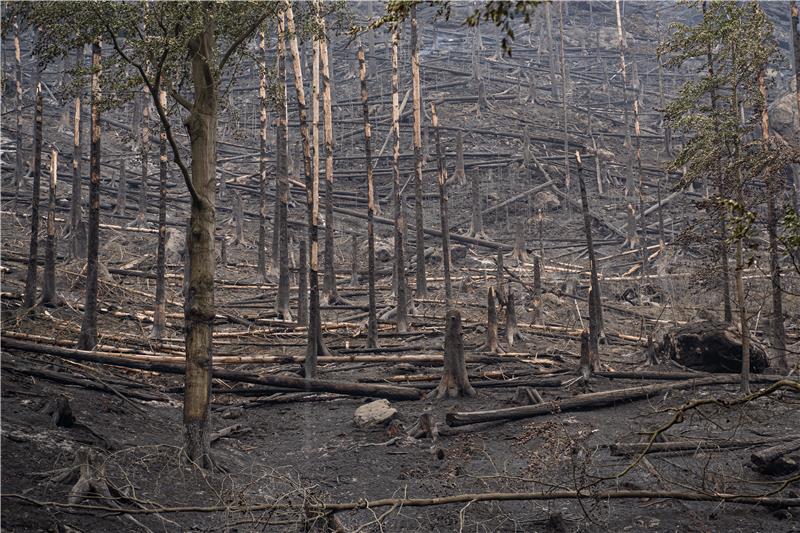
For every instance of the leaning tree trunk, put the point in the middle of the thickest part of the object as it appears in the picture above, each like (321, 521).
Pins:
(88, 335)
(262, 158)
(401, 319)
(422, 285)
(281, 235)
(595, 307)
(442, 178)
(455, 382)
(76, 239)
(49, 285)
(160, 309)
(315, 344)
(329, 279)
(372, 321)
(199, 310)
(774, 189)
(33, 251)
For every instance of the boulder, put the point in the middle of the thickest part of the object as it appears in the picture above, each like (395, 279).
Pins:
(710, 346)
(373, 413)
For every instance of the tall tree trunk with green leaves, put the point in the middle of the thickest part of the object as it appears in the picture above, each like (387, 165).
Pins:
(88, 336)
(160, 308)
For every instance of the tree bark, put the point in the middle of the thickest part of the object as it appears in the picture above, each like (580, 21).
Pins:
(122, 189)
(492, 344)
(302, 285)
(445, 225)
(76, 248)
(144, 148)
(88, 335)
(329, 279)
(422, 286)
(455, 381)
(262, 157)
(563, 64)
(372, 321)
(459, 176)
(33, 251)
(476, 227)
(551, 49)
(512, 331)
(160, 309)
(18, 158)
(625, 103)
(774, 190)
(199, 308)
(281, 235)
(315, 344)
(401, 319)
(595, 306)
(795, 14)
(49, 285)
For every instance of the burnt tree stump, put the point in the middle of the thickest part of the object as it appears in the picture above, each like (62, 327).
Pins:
(710, 346)
(455, 382)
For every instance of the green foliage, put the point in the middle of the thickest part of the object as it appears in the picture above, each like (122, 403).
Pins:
(499, 12)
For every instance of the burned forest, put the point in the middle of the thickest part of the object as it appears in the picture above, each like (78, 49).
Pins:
(400, 266)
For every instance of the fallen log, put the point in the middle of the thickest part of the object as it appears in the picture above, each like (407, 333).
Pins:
(591, 400)
(779, 460)
(310, 385)
(708, 445)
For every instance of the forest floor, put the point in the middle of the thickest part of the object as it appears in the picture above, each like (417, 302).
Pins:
(304, 448)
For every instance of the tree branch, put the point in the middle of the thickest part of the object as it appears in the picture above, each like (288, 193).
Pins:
(239, 40)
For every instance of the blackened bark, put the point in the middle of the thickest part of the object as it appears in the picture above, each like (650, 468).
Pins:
(33, 251)
(422, 286)
(445, 226)
(595, 309)
(49, 285)
(282, 164)
(159, 311)
(401, 319)
(262, 158)
(88, 335)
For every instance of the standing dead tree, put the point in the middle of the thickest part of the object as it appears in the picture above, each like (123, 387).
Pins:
(595, 306)
(455, 381)
(18, 158)
(372, 320)
(262, 156)
(442, 179)
(280, 221)
(422, 286)
(401, 319)
(315, 344)
(76, 228)
(29, 299)
(49, 283)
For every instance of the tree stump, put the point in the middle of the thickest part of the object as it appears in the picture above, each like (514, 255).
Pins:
(492, 345)
(455, 382)
(710, 346)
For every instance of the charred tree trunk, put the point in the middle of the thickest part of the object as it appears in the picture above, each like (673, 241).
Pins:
(459, 176)
(512, 330)
(498, 278)
(442, 177)
(329, 279)
(662, 104)
(75, 214)
(262, 157)
(302, 285)
(88, 335)
(122, 189)
(422, 286)
(144, 148)
(372, 321)
(492, 345)
(455, 382)
(282, 163)
(774, 189)
(160, 309)
(625, 103)
(476, 227)
(354, 262)
(551, 49)
(563, 64)
(315, 344)
(18, 158)
(49, 285)
(33, 251)
(595, 306)
(401, 319)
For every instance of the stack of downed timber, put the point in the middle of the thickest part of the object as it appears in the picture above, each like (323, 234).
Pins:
(710, 346)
